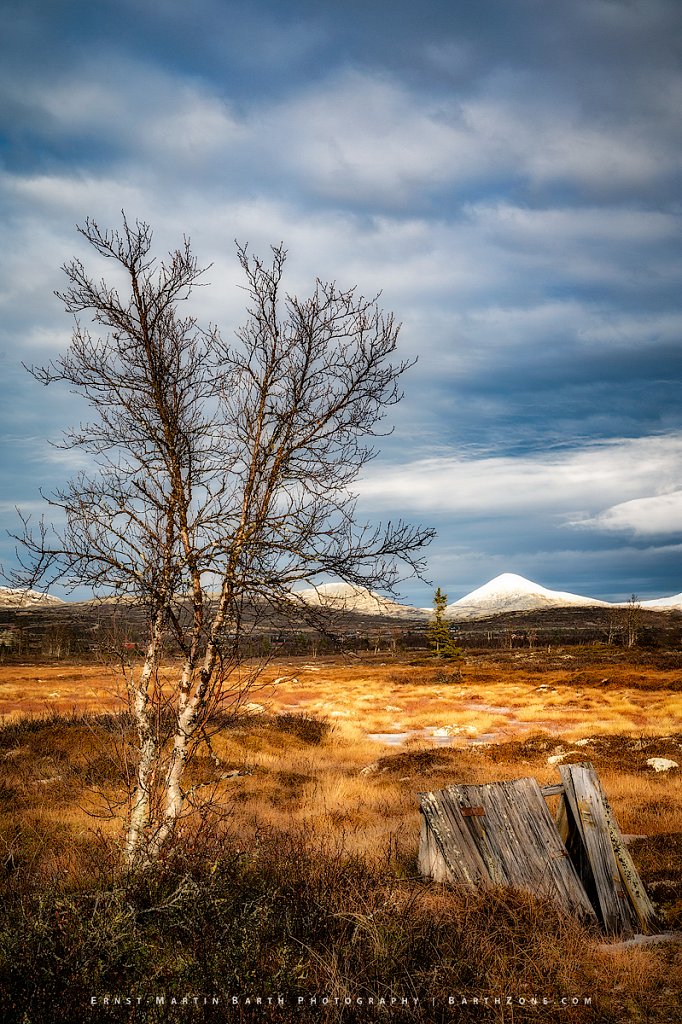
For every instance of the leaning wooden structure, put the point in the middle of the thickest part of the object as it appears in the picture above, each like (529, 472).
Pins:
(502, 833)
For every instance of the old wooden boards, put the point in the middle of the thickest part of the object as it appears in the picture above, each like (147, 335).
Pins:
(502, 833)
(589, 828)
(499, 834)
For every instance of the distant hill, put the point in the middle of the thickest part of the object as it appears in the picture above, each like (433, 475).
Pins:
(349, 598)
(664, 602)
(511, 593)
(507, 593)
(39, 628)
(11, 598)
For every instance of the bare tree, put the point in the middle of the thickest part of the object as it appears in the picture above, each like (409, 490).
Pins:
(614, 626)
(217, 468)
(632, 620)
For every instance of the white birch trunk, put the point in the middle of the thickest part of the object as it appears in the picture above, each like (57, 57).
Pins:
(137, 838)
(174, 794)
(190, 708)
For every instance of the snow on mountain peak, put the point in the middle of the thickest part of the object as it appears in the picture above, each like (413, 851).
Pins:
(17, 598)
(510, 592)
(674, 602)
(348, 597)
(505, 583)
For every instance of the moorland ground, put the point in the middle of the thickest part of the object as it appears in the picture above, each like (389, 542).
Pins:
(304, 882)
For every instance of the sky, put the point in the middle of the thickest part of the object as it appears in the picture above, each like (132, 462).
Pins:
(506, 172)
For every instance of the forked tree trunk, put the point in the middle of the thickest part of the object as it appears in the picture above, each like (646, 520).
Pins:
(212, 460)
(174, 794)
(191, 712)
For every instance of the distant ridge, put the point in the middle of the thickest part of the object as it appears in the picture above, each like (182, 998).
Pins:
(664, 602)
(16, 598)
(510, 593)
(507, 592)
(349, 598)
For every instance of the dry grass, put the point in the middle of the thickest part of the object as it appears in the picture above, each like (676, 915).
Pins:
(485, 694)
(309, 768)
(309, 735)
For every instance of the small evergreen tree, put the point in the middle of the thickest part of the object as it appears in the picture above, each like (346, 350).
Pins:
(438, 631)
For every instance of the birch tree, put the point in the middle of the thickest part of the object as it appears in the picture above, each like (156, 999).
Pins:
(221, 476)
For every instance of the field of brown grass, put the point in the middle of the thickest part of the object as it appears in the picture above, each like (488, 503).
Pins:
(336, 750)
(498, 693)
(390, 729)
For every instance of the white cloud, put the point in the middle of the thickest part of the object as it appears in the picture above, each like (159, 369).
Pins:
(464, 298)
(362, 135)
(555, 227)
(198, 128)
(584, 245)
(368, 137)
(358, 136)
(536, 322)
(425, 269)
(654, 516)
(570, 486)
(186, 159)
(631, 330)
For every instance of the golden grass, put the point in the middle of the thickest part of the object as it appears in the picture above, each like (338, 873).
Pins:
(645, 802)
(390, 698)
(349, 784)
(342, 790)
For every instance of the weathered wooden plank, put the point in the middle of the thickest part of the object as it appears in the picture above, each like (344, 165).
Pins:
(428, 862)
(459, 856)
(514, 842)
(513, 804)
(464, 863)
(582, 854)
(503, 833)
(570, 830)
(562, 817)
(544, 855)
(647, 917)
(584, 799)
(470, 834)
(499, 834)
(481, 832)
(465, 857)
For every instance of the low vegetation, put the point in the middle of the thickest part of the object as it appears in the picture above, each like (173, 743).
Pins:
(302, 883)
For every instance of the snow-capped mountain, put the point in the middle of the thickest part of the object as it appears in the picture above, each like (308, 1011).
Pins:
(11, 598)
(506, 593)
(511, 593)
(349, 598)
(664, 602)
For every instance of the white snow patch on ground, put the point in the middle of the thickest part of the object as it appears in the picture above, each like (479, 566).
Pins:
(661, 764)
(558, 758)
(456, 730)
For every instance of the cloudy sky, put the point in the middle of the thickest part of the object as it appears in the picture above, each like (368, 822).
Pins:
(507, 171)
